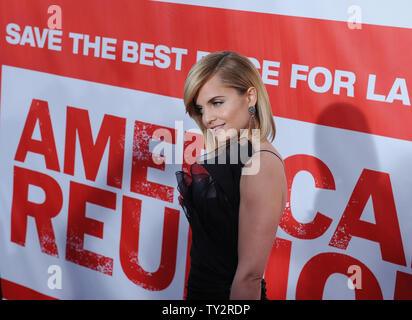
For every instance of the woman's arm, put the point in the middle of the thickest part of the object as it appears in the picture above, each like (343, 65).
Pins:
(262, 202)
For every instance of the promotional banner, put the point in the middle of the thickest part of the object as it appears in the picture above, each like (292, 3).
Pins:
(90, 90)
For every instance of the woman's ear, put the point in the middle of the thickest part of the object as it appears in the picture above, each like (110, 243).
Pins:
(251, 95)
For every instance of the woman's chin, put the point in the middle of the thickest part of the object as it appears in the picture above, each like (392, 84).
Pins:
(225, 139)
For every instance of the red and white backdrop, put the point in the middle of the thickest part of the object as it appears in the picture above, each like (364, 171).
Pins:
(87, 213)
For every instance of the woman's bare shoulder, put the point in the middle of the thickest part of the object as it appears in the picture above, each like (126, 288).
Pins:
(263, 178)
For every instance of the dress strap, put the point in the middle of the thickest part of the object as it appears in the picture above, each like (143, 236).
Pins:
(271, 152)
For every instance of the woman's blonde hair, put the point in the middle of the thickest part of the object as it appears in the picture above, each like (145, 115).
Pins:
(238, 72)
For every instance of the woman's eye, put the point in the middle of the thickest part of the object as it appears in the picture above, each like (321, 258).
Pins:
(199, 110)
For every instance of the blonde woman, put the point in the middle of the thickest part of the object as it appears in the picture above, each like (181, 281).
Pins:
(233, 216)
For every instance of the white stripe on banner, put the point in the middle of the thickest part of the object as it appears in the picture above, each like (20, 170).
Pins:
(395, 13)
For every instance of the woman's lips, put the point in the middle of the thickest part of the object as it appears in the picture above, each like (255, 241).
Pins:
(218, 127)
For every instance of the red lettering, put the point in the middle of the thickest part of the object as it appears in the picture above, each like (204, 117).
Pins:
(39, 111)
(41, 212)
(323, 179)
(386, 230)
(318, 269)
(112, 128)
(129, 247)
(78, 225)
(277, 269)
(142, 159)
(403, 286)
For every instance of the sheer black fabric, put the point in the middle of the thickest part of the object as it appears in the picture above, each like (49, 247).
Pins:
(210, 197)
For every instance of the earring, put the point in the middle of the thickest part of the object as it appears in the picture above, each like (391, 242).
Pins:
(252, 111)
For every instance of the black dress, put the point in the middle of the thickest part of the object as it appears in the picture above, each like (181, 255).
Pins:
(210, 197)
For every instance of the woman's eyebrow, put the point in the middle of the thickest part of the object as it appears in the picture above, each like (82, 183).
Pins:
(210, 100)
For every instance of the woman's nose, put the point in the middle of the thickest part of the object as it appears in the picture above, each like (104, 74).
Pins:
(208, 116)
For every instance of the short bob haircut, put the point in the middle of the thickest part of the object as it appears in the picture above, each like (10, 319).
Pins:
(236, 71)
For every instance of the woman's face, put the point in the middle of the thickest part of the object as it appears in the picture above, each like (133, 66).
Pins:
(223, 109)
